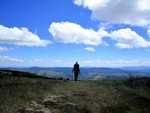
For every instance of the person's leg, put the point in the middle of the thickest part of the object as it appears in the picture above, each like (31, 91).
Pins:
(76, 76)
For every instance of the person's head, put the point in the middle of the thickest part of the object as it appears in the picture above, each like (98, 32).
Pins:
(76, 62)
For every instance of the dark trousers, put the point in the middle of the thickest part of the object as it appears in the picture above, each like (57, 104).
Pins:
(76, 76)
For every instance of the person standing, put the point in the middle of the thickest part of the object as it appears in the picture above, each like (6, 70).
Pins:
(76, 71)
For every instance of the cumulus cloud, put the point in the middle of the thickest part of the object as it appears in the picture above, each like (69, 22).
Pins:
(2, 49)
(22, 37)
(68, 32)
(9, 59)
(132, 12)
(126, 38)
(90, 49)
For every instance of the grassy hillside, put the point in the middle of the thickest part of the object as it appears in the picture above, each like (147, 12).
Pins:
(51, 74)
(38, 95)
(16, 74)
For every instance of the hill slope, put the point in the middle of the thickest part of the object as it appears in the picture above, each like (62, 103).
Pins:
(38, 95)
(17, 74)
(87, 73)
(92, 73)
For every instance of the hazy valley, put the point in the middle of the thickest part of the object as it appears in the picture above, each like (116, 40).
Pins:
(90, 73)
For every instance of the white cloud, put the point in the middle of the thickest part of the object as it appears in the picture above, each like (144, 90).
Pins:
(38, 60)
(2, 49)
(148, 31)
(73, 33)
(126, 38)
(22, 37)
(87, 61)
(113, 63)
(90, 49)
(67, 32)
(132, 12)
(9, 59)
(127, 61)
(57, 61)
(131, 63)
(116, 63)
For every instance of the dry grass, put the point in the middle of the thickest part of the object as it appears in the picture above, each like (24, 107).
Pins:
(74, 97)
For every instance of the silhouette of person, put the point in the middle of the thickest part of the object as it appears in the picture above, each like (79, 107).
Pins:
(76, 71)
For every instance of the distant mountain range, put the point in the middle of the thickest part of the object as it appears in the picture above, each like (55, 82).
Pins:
(90, 73)
(145, 69)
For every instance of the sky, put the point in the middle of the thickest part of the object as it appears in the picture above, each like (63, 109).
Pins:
(57, 33)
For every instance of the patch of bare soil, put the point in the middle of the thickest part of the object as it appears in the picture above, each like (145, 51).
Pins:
(51, 104)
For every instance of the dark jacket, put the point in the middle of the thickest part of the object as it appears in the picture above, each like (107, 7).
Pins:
(76, 68)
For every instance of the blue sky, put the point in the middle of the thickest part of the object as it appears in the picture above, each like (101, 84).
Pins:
(57, 33)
